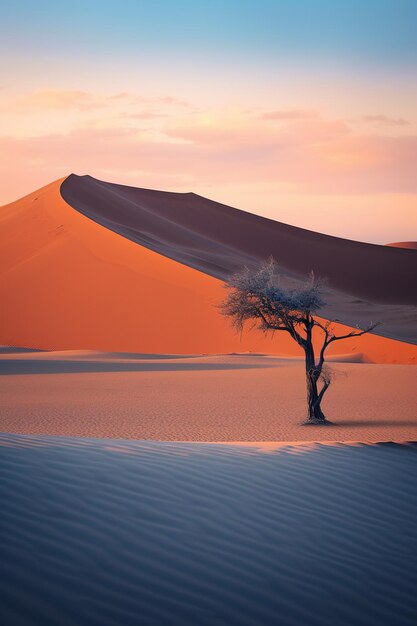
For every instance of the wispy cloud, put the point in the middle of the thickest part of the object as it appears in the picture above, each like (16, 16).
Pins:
(289, 115)
(60, 99)
(144, 114)
(83, 101)
(385, 120)
(305, 155)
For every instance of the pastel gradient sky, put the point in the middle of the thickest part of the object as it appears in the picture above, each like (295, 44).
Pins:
(301, 110)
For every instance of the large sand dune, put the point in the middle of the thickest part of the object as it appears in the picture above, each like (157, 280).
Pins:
(69, 282)
(111, 533)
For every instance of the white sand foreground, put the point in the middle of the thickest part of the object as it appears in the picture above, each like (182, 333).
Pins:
(112, 532)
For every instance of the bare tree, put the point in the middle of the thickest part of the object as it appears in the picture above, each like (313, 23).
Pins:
(259, 296)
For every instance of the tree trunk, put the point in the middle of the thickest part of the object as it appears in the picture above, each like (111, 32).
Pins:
(314, 415)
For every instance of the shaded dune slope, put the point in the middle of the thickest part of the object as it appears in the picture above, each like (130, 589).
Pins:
(366, 282)
(69, 282)
(218, 239)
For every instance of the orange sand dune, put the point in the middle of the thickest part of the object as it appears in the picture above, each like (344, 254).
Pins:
(67, 282)
(411, 245)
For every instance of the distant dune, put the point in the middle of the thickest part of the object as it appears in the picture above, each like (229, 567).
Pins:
(411, 245)
(91, 265)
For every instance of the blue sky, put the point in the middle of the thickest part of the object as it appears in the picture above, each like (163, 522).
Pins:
(380, 32)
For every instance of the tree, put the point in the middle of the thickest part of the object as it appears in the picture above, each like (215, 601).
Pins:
(259, 296)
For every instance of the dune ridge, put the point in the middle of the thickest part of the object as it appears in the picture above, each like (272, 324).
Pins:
(218, 239)
(68, 282)
(100, 533)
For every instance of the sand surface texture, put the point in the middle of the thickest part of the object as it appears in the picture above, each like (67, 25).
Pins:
(201, 398)
(111, 533)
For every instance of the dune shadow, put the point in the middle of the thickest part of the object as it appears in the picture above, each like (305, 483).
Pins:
(26, 366)
(148, 356)
(18, 350)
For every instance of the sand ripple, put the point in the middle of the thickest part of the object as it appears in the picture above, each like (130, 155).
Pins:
(119, 532)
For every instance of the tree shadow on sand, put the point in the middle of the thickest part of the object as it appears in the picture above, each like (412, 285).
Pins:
(377, 423)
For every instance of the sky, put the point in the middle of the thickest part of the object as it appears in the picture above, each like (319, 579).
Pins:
(304, 111)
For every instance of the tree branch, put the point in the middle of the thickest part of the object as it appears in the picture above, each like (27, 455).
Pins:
(325, 329)
(269, 325)
(323, 390)
(353, 333)
(329, 337)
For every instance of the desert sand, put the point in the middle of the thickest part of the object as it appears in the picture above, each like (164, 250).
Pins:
(201, 398)
(67, 282)
(110, 301)
(100, 533)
